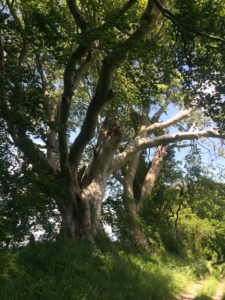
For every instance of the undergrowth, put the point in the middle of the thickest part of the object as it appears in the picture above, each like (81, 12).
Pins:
(73, 270)
(208, 289)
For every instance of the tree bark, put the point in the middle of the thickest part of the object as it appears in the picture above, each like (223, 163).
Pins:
(135, 206)
(82, 207)
(152, 174)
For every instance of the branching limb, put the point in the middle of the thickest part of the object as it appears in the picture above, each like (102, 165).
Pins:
(47, 106)
(157, 114)
(15, 16)
(35, 156)
(130, 175)
(104, 91)
(71, 80)
(77, 14)
(172, 17)
(152, 174)
(179, 117)
(141, 143)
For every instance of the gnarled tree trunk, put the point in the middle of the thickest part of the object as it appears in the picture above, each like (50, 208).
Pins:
(81, 205)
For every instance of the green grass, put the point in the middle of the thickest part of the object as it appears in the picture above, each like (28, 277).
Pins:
(69, 270)
(208, 288)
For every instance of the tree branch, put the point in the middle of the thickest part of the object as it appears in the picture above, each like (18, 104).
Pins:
(104, 91)
(77, 15)
(34, 155)
(142, 143)
(172, 17)
(152, 174)
(71, 81)
(130, 175)
(179, 117)
(157, 114)
(16, 18)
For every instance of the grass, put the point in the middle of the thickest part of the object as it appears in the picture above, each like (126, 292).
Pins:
(69, 270)
(208, 288)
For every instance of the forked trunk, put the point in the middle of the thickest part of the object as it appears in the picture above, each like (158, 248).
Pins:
(82, 208)
(135, 207)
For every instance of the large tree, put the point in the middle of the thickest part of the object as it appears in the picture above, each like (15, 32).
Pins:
(69, 70)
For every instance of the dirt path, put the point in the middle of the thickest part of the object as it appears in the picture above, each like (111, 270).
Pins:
(219, 292)
(191, 293)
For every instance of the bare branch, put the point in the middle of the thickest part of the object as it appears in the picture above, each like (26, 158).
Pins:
(47, 107)
(179, 117)
(179, 146)
(36, 157)
(165, 12)
(141, 143)
(157, 114)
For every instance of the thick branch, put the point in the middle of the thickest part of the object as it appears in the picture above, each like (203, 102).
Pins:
(103, 91)
(102, 94)
(15, 16)
(35, 156)
(141, 143)
(179, 117)
(47, 106)
(71, 80)
(157, 114)
(77, 15)
(109, 137)
(152, 174)
(130, 175)
(30, 150)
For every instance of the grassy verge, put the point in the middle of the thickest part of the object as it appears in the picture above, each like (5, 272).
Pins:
(66, 270)
(208, 288)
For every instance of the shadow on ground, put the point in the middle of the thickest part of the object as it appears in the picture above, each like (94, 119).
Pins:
(74, 271)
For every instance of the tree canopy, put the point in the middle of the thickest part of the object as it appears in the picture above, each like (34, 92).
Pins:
(85, 87)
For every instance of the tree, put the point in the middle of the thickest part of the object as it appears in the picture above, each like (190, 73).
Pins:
(90, 54)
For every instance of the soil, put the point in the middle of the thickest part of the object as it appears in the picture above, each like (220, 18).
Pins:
(191, 293)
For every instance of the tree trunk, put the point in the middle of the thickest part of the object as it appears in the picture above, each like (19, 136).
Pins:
(134, 208)
(82, 207)
(137, 236)
(81, 218)
(76, 217)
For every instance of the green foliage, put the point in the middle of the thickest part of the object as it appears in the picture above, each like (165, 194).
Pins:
(66, 270)
(208, 288)
(24, 206)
